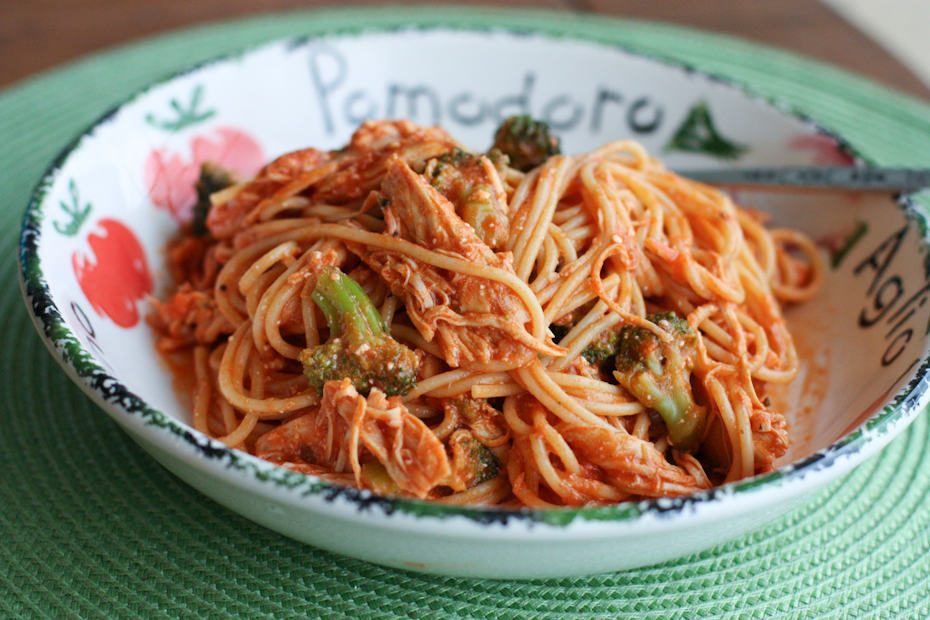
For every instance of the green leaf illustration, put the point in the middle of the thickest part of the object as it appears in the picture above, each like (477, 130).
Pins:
(185, 116)
(75, 212)
(697, 134)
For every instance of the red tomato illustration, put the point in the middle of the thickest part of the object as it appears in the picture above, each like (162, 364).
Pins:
(170, 176)
(116, 276)
(826, 150)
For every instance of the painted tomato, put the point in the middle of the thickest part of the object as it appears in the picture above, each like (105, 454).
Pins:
(170, 176)
(826, 151)
(116, 275)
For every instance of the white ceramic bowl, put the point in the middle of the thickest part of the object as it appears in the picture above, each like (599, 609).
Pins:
(94, 231)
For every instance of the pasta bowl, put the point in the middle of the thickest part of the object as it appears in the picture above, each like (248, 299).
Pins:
(92, 257)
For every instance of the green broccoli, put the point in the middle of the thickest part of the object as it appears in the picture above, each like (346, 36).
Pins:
(599, 352)
(526, 142)
(359, 348)
(602, 350)
(212, 179)
(658, 375)
(472, 461)
(462, 177)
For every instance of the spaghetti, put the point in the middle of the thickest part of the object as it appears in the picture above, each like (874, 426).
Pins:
(594, 329)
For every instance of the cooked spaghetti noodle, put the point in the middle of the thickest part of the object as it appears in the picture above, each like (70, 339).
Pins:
(505, 287)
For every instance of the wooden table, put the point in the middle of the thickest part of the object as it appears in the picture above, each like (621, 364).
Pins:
(39, 34)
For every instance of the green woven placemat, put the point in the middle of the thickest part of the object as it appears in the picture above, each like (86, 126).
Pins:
(90, 525)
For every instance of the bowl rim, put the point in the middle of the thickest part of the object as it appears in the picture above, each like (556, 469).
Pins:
(125, 407)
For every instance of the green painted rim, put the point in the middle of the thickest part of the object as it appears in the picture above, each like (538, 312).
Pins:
(874, 433)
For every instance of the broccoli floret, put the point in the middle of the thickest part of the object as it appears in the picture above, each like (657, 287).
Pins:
(599, 352)
(602, 350)
(525, 141)
(472, 461)
(359, 348)
(463, 178)
(497, 158)
(212, 179)
(658, 375)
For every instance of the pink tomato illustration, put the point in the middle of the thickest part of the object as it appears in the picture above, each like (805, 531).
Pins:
(170, 176)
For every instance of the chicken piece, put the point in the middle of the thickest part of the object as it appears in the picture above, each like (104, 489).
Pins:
(306, 444)
(473, 319)
(583, 368)
(769, 438)
(363, 162)
(189, 317)
(412, 456)
(334, 177)
(631, 464)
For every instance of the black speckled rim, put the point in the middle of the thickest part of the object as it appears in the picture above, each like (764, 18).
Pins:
(94, 379)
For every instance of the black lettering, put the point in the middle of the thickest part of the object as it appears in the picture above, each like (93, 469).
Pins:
(351, 105)
(550, 109)
(881, 257)
(897, 325)
(325, 86)
(458, 116)
(519, 104)
(920, 298)
(602, 97)
(880, 303)
(82, 320)
(413, 95)
(96, 347)
(653, 119)
(896, 348)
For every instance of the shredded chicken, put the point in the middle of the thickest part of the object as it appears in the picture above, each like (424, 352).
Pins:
(583, 368)
(363, 162)
(189, 317)
(631, 464)
(334, 177)
(471, 318)
(769, 438)
(348, 429)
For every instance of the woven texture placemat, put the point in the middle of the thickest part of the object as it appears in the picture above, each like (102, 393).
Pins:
(91, 525)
